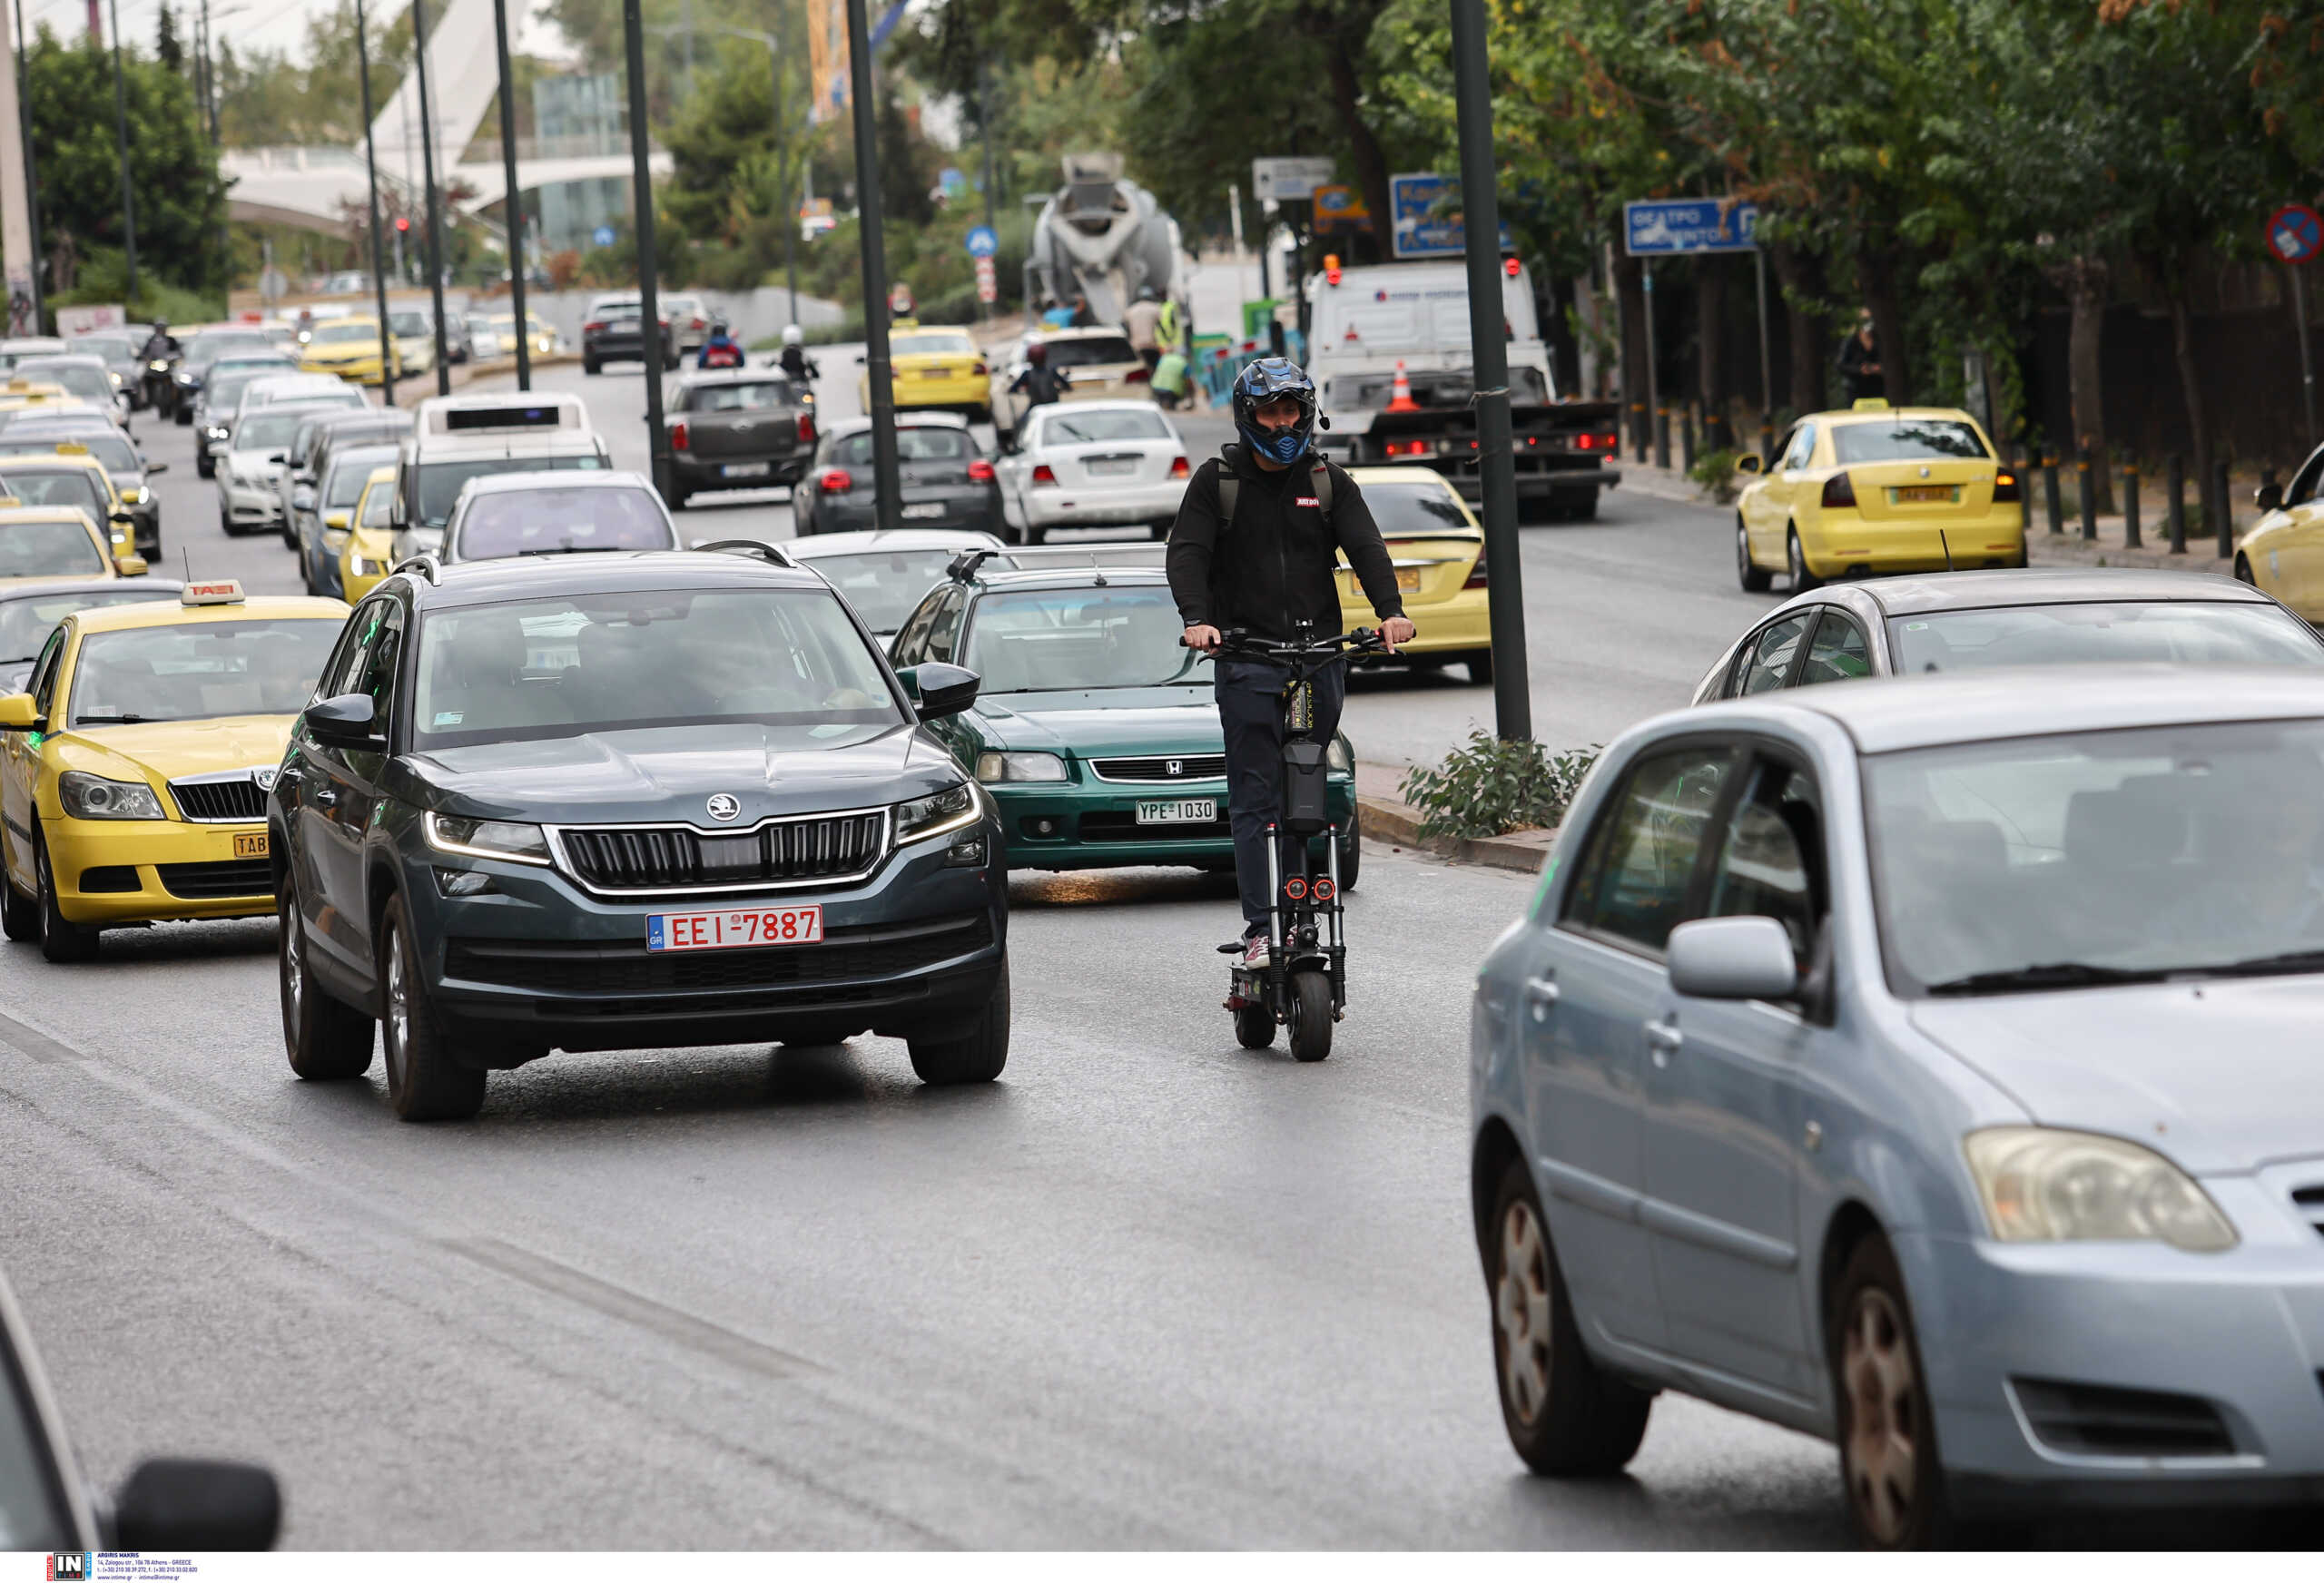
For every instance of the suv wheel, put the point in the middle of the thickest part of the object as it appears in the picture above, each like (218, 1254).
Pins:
(19, 913)
(976, 1059)
(425, 1082)
(1562, 1415)
(61, 939)
(327, 1039)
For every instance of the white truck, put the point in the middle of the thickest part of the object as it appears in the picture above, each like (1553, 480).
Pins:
(1367, 320)
(1104, 237)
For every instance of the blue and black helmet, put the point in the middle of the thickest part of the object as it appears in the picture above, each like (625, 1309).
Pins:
(1271, 380)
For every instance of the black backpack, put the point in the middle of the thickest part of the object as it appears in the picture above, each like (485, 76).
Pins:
(1230, 486)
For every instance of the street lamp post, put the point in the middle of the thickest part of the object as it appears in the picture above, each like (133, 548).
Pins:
(32, 165)
(371, 171)
(512, 203)
(876, 363)
(434, 207)
(1489, 358)
(121, 131)
(649, 304)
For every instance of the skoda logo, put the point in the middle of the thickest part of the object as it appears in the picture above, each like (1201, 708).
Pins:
(723, 806)
(1923, 472)
(1175, 766)
(264, 777)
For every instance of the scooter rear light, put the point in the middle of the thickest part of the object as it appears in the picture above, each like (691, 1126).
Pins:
(1838, 492)
(1179, 469)
(980, 471)
(835, 481)
(2005, 488)
(679, 439)
(1325, 890)
(1295, 887)
(1043, 476)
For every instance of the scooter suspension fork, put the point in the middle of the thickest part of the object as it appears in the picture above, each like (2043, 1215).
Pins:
(1335, 942)
(1275, 952)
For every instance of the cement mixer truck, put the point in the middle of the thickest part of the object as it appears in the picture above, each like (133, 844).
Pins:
(1104, 238)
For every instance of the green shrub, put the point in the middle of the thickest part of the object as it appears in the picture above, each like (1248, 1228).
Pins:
(1491, 787)
(1715, 474)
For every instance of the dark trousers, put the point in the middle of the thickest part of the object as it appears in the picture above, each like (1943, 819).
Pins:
(1250, 712)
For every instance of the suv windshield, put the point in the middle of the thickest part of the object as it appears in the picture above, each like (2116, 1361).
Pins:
(49, 549)
(2057, 862)
(440, 482)
(2051, 634)
(1905, 439)
(785, 657)
(1054, 639)
(199, 670)
(547, 522)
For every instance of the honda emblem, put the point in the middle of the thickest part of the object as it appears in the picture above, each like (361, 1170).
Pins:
(1174, 767)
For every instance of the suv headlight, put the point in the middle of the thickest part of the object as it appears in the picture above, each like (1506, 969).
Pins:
(1340, 757)
(925, 818)
(991, 767)
(2045, 1185)
(87, 796)
(501, 839)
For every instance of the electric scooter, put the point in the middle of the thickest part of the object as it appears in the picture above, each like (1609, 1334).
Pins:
(1304, 985)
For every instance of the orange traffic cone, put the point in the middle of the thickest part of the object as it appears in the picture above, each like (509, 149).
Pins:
(1400, 395)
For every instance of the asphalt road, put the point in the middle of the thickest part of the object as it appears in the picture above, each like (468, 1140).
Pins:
(1149, 1289)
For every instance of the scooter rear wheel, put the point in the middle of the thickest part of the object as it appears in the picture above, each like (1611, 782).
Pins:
(1311, 1015)
(1255, 1027)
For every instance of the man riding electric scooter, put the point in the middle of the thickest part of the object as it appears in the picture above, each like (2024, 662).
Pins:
(1252, 551)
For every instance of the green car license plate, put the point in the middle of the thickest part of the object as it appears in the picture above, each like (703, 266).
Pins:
(1180, 811)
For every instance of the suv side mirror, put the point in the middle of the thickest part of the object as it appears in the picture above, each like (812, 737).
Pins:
(938, 688)
(2269, 497)
(1732, 959)
(344, 722)
(179, 1503)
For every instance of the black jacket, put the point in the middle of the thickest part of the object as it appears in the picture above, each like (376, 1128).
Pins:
(1273, 567)
(1041, 384)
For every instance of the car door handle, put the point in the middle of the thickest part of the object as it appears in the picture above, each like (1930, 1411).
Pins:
(1661, 1038)
(1541, 994)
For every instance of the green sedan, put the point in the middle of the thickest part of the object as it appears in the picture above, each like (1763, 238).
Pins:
(1093, 730)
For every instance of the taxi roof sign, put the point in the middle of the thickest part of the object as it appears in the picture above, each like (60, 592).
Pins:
(71, 447)
(225, 592)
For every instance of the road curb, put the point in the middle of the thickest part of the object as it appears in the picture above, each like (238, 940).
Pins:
(1396, 823)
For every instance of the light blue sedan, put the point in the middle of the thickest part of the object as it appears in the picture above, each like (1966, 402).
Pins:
(1932, 1066)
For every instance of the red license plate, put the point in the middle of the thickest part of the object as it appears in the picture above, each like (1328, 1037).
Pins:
(727, 930)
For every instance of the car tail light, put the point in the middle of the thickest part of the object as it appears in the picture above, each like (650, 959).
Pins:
(1606, 442)
(806, 428)
(1838, 491)
(1043, 476)
(1588, 442)
(1179, 469)
(697, 324)
(980, 371)
(594, 326)
(679, 439)
(1138, 375)
(835, 481)
(980, 471)
(1407, 447)
(2005, 488)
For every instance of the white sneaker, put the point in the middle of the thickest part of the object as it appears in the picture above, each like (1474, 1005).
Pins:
(1254, 952)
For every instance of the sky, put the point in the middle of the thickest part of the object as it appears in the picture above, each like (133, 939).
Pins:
(255, 24)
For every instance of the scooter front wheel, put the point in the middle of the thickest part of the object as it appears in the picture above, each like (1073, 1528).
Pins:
(1311, 1015)
(1253, 1026)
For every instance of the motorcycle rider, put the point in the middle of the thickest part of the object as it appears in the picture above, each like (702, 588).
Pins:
(160, 347)
(719, 349)
(1271, 570)
(794, 360)
(1041, 384)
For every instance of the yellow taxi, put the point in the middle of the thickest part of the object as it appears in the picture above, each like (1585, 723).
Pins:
(544, 339)
(364, 559)
(42, 543)
(2283, 553)
(349, 348)
(67, 474)
(1439, 550)
(934, 367)
(133, 775)
(1877, 488)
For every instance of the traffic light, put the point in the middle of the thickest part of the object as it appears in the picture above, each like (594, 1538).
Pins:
(403, 222)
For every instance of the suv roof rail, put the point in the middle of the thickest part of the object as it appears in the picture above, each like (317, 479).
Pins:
(1034, 557)
(425, 565)
(964, 567)
(759, 547)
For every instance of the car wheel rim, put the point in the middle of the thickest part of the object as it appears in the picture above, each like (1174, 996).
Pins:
(1793, 558)
(399, 1009)
(1742, 547)
(1884, 1415)
(1522, 1313)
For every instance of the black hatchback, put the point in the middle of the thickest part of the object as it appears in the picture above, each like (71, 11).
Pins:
(627, 800)
(740, 429)
(947, 481)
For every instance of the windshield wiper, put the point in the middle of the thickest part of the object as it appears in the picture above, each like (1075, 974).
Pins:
(2048, 976)
(575, 549)
(2310, 960)
(129, 720)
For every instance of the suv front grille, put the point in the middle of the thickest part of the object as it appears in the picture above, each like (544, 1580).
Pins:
(2106, 1421)
(238, 801)
(837, 846)
(859, 952)
(215, 881)
(1190, 767)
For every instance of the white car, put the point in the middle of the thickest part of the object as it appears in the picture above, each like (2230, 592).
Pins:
(884, 575)
(689, 317)
(250, 469)
(1096, 464)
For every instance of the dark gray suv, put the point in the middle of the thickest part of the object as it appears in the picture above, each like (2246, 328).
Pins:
(622, 802)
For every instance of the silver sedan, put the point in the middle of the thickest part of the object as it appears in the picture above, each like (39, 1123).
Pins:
(1928, 1066)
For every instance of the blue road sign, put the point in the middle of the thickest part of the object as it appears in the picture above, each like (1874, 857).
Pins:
(603, 236)
(1423, 230)
(982, 242)
(1690, 225)
(2294, 233)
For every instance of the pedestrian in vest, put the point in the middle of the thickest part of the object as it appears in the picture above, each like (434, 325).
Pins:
(1142, 321)
(1170, 328)
(1254, 547)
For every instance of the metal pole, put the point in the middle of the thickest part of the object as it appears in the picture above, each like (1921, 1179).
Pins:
(120, 130)
(2300, 319)
(1653, 374)
(2176, 510)
(32, 165)
(1489, 358)
(984, 116)
(434, 208)
(1767, 367)
(371, 173)
(512, 204)
(790, 203)
(649, 300)
(886, 490)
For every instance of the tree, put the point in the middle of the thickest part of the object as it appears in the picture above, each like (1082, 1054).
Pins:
(166, 48)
